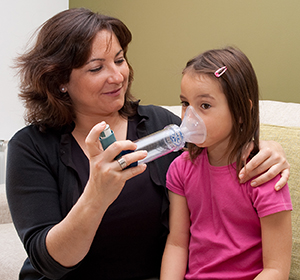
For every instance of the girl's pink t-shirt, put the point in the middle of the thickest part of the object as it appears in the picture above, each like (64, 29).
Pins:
(225, 241)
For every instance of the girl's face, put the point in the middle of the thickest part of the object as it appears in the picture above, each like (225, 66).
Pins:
(99, 86)
(205, 94)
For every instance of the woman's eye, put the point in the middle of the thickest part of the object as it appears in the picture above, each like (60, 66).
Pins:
(205, 106)
(120, 61)
(97, 69)
(184, 104)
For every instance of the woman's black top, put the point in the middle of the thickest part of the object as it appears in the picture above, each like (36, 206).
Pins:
(46, 174)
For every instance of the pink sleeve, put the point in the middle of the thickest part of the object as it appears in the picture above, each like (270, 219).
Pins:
(267, 201)
(174, 177)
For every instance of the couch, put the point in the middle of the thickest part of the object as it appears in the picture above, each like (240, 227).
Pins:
(280, 121)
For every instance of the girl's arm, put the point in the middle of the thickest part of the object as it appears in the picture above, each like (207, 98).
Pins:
(175, 257)
(276, 246)
(269, 162)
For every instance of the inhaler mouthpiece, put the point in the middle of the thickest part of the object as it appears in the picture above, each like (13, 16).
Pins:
(193, 127)
(173, 138)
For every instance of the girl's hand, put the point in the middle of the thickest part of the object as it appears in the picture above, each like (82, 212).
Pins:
(269, 162)
(107, 178)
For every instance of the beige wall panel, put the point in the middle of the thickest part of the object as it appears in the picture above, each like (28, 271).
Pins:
(166, 33)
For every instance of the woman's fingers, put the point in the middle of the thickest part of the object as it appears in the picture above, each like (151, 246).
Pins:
(130, 158)
(267, 176)
(106, 159)
(267, 164)
(254, 167)
(126, 160)
(94, 146)
(92, 141)
(133, 171)
(285, 174)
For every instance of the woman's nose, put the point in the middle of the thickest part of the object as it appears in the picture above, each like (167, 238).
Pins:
(115, 76)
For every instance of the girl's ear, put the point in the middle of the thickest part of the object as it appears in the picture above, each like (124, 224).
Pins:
(251, 105)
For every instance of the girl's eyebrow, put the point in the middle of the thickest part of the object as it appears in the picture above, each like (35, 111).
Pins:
(102, 59)
(205, 96)
(198, 96)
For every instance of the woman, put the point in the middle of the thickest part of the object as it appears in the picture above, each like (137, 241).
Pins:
(74, 207)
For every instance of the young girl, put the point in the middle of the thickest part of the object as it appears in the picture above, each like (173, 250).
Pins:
(220, 228)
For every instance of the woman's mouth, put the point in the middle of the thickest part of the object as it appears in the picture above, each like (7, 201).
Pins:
(113, 92)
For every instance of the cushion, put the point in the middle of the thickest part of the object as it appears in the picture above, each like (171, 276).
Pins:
(289, 138)
(12, 253)
(4, 210)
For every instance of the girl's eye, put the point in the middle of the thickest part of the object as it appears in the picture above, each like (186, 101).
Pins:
(205, 106)
(184, 104)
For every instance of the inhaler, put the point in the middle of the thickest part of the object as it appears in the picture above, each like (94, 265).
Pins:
(170, 139)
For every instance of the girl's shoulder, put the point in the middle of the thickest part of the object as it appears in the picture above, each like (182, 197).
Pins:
(184, 161)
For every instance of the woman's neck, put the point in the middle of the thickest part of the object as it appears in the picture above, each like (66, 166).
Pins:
(84, 123)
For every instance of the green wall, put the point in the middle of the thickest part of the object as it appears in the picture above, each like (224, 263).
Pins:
(166, 33)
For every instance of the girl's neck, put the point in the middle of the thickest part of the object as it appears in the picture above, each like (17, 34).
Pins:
(218, 156)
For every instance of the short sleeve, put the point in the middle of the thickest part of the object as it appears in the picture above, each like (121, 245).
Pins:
(267, 201)
(175, 176)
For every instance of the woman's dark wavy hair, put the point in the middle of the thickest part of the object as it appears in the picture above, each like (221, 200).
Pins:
(239, 84)
(64, 43)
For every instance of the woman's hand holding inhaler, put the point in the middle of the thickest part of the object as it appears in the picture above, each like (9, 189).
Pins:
(106, 175)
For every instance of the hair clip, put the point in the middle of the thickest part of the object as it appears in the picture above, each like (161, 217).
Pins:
(220, 71)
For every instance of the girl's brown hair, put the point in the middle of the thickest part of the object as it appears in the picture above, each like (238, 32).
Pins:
(64, 43)
(239, 84)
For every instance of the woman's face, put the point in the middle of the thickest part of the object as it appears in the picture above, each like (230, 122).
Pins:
(205, 94)
(99, 86)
